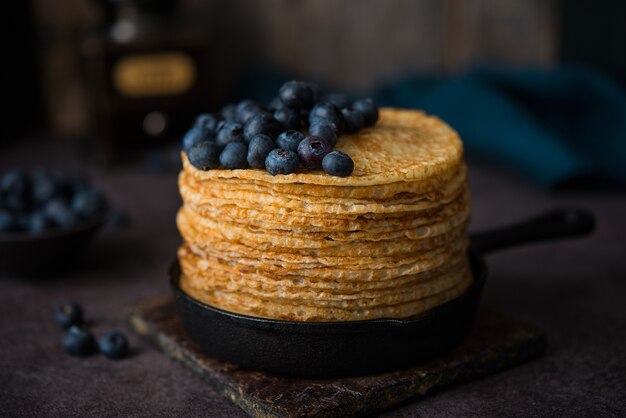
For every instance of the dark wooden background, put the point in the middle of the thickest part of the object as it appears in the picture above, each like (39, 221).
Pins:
(346, 44)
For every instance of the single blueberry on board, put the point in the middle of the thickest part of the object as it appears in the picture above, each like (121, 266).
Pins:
(79, 341)
(68, 314)
(114, 345)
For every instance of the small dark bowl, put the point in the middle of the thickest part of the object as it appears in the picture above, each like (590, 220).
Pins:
(50, 252)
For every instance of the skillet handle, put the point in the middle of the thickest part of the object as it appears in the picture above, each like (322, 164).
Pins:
(555, 224)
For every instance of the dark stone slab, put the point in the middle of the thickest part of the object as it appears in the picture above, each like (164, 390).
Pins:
(495, 344)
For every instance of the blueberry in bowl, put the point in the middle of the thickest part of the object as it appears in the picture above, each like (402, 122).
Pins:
(47, 220)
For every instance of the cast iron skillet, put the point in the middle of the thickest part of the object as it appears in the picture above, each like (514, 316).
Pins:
(325, 349)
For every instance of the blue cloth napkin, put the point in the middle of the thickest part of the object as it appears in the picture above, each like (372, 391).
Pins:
(549, 125)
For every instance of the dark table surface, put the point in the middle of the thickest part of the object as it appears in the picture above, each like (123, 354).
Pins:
(575, 290)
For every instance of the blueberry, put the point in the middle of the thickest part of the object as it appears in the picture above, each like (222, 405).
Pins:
(339, 100)
(289, 118)
(23, 221)
(38, 222)
(87, 203)
(229, 132)
(229, 113)
(281, 161)
(234, 155)
(114, 345)
(8, 222)
(337, 163)
(325, 129)
(329, 112)
(246, 109)
(207, 122)
(78, 184)
(14, 186)
(65, 187)
(290, 140)
(354, 120)
(14, 182)
(296, 95)
(194, 136)
(369, 109)
(79, 341)
(260, 145)
(68, 314)
(275, 104)
(312, 150)
(263, 123)
(318, 94)
(205, 155)
(59, 212)
(16, 203)
(44, 186)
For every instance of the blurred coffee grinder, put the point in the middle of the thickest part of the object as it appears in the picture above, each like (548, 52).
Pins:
(146, 73)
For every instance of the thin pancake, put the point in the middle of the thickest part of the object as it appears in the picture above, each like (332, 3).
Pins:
(247, 304)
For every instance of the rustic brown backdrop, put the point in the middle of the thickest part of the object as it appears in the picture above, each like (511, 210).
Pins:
(347, 44)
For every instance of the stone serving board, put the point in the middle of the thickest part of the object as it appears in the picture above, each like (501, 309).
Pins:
(496, 343)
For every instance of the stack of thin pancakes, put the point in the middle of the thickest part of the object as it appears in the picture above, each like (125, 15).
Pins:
(389, 241)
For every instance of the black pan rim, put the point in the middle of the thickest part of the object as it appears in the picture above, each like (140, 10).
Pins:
(479, 271)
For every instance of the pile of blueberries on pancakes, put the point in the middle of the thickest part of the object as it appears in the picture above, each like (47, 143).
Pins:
(249, 135)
